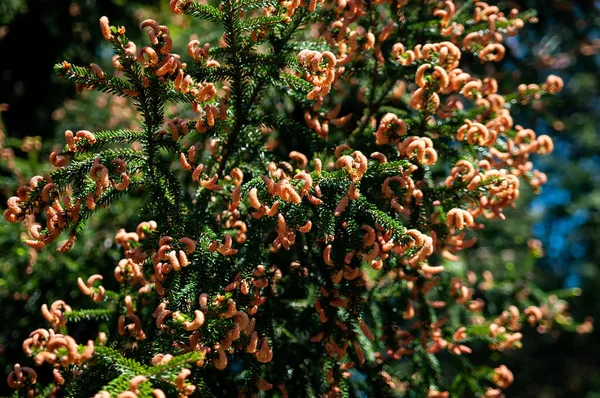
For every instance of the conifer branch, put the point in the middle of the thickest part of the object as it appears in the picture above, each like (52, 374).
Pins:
(325, 165)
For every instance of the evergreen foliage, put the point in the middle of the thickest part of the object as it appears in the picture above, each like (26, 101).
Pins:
(295, 257)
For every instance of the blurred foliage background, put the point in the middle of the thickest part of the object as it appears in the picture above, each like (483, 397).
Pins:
(551, 240)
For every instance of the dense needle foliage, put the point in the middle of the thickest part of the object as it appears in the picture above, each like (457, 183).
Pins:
(304, 203)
